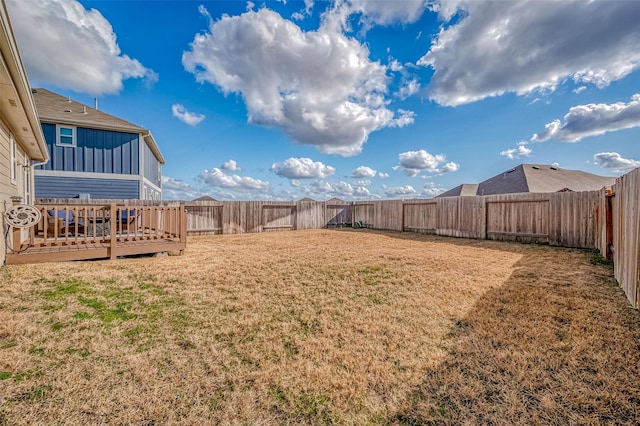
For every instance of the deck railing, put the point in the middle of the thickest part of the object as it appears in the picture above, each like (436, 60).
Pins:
(112, 229)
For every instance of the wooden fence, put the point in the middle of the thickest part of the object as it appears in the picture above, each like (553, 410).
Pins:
(568, 219)
(625, 229)
(590, 220)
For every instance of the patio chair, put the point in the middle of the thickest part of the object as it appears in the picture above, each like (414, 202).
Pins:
(126, 220)
(66, 222)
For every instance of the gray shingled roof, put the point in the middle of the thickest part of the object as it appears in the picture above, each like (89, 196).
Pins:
(466, 189)
(55, 108)
(508, 182)
(533, 178)
(542, 178)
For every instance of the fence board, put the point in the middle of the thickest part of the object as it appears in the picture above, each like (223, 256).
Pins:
(626, 235)
(310, 215)
(364, 212)
(420, 216)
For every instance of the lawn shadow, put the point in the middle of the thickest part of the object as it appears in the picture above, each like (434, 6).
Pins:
(558, 343)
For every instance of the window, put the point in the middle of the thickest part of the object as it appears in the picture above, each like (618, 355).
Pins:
(159, 172)
(14, 160)
(65, 136)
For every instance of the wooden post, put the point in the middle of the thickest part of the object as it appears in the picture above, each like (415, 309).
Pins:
(112, 232)
(183, 225)
(609, 226)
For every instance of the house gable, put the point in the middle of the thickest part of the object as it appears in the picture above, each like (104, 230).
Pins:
(97, 155)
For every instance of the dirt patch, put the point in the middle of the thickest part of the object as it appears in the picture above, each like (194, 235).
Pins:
(320, 327)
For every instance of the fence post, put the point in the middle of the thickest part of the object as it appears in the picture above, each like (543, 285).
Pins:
(112, 231)
(183, 225)
(609, 225)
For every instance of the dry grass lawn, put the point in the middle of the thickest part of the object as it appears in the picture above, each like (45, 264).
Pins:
(321, 327)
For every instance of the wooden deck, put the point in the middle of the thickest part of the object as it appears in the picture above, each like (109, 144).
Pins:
(123, 231)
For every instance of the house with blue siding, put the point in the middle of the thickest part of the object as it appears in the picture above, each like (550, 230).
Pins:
(94, 154)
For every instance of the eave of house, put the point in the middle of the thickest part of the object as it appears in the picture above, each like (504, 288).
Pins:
(16, 103)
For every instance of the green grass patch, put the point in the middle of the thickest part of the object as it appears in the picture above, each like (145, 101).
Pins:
(82, 315)
(598, 259)
(36, 351)
(65, 288)
(313, 408)
(78, 351)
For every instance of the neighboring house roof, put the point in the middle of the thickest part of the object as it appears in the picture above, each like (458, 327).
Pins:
(466, 189)
(16, 103)
(205, 198)
(542, 178)
(55, 108)
(537, 178)
(336, 200)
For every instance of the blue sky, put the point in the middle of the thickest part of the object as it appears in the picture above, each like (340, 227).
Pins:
(352, 99)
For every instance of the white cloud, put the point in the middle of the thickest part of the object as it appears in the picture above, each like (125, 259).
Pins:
(318, 87)
(302, 168)
(414, 162)
(374, 12)
(383, 175)
(592, 120)
(521, 46)
(579, 90)
(514, 153)
(339, 189)
(614, 161)
(450, 167)
(230, 166)
(398, 191)
(306, 11)
(362, 182)
(363, 172)
(430, 189)
(66, 45)
(409, 87)
(218, 179)
(190, 118)
(176, 189)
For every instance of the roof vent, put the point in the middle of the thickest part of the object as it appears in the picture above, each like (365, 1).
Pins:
(13, 102)
(535, 167)
(34, 91)
(84, 109)
(512, 170)
(68, 98)
(67, 110)
(553, 168)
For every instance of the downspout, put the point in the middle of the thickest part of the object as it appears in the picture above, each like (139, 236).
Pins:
(41, 163)
(33, 177)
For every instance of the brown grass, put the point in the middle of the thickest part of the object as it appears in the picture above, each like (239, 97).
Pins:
(320, 327)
